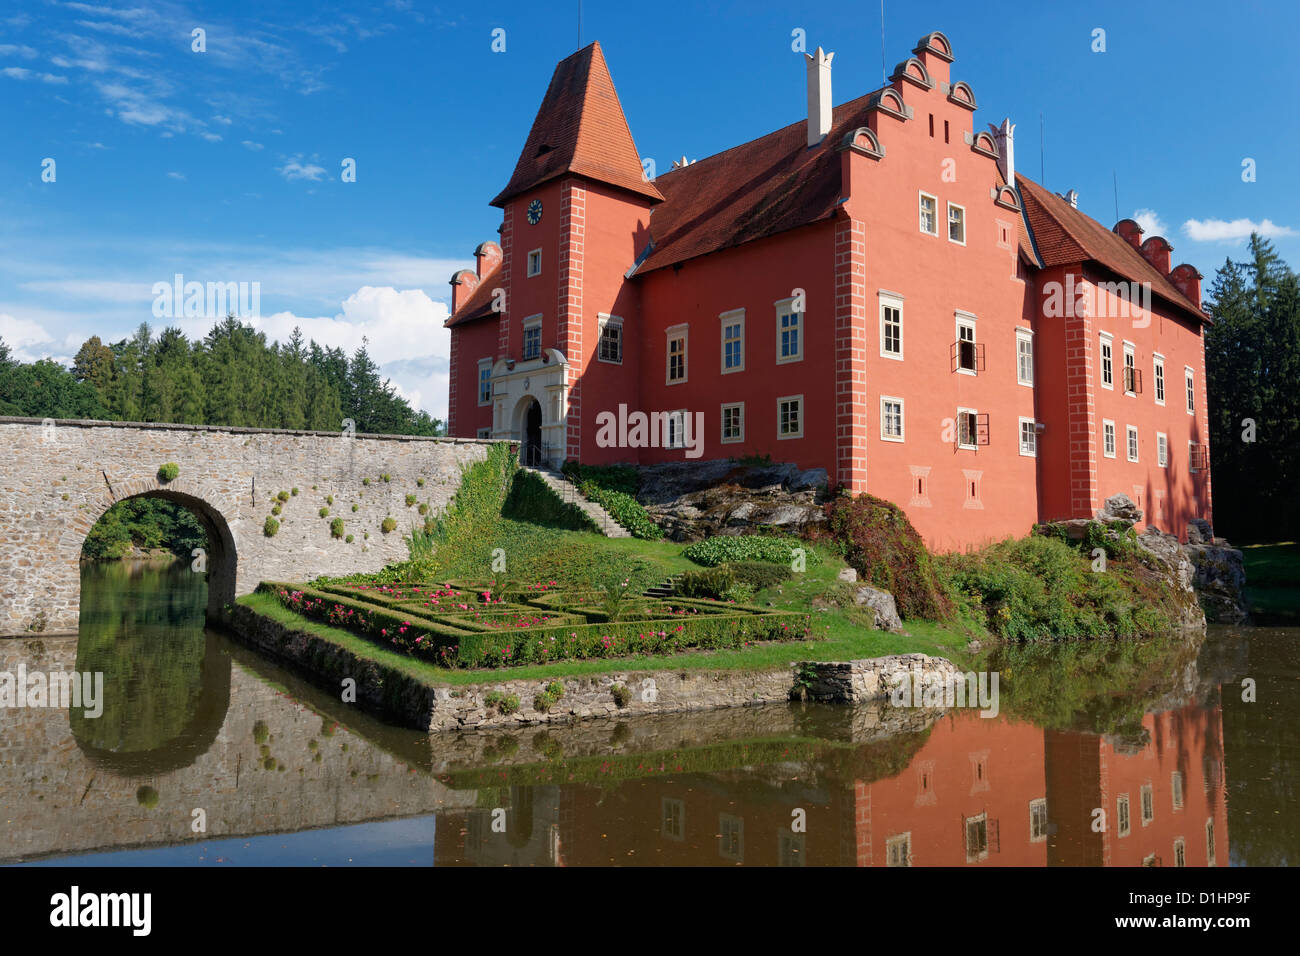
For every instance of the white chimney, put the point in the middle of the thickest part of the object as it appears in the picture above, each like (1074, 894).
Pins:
(819, 95)
(1005, 136)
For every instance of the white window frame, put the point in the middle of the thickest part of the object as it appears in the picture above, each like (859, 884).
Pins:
(673, 333)
(1123, 821)
(1147, 804)
(1211, 857)
(530, 271)
(920, 222)
(1040, 803)
(675, 425)
(1191, 468)
(1114, 438)
(485, 433)
(902, 419)
(1132, 443)
(789, 398)
(784, 307)
(966, 320)
(1129, 361)
(722, 423)
(1176, 793)
(1158, 384)
(1020, 437)
(891, 300)
(1106, 341)
(614, 322)
(1025, 335)
(530, 323)
(975, 431)
(738, 825)
(679, 806)
(1180, 852)
(1162, 449)
(1189, 389)
(485, 363)
(896, 842)
(962, 210)
(733, 317)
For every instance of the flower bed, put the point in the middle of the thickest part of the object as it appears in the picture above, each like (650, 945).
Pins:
(457, 640)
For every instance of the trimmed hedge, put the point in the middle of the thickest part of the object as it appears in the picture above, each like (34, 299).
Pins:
(613, 487)
(455, 647)
(728, 549)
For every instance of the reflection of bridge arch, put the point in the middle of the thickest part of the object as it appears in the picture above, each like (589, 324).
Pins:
(182, 750)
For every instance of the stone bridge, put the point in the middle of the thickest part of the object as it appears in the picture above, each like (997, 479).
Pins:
(57, 478)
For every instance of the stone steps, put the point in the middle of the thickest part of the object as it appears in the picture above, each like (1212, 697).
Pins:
(665, 588)
(568, 493)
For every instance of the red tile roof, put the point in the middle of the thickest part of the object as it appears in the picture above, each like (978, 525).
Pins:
(479, 304)
(1064, 236)
(760, 188)
(580, 128)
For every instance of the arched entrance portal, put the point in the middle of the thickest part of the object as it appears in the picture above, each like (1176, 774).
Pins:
(532, 452)
(218, 560)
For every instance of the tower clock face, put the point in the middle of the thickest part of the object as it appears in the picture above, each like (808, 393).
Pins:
(535, 212)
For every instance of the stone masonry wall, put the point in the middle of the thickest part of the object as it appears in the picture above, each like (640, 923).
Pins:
(57, 480)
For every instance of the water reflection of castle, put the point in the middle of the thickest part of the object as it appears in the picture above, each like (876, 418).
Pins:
(974, 793)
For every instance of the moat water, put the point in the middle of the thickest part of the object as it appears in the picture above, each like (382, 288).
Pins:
(1160, 753)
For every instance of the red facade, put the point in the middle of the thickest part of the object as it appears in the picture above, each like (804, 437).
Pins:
(874, 291)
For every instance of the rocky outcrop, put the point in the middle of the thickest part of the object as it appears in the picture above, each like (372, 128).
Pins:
(1120, 508)
(1220, 580)
(1164, 551)
(882, 604)
(694, 500)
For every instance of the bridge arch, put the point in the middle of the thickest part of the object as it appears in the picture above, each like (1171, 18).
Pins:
(209, 508)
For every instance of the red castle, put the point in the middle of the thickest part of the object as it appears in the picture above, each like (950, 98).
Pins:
(875, 291)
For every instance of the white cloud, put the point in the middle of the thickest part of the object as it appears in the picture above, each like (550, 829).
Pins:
(253, 146)
(22, 334)
(1236, 231)
(22, 73)
(1150, 222)
(176, 175)
(10, 49)
(296, 170)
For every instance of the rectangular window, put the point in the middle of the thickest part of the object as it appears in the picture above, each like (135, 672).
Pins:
(676, 422)
(967, 428)
(485, 433)
(731, 837)
(1024, 357)
(898, 850)
(676, 371)
(1028, 438)
(733, 341)
(1130, 369)
(532, 337)
(1180, 852)
(1037, 820)
(956, 224)
(535, 263)
(977, 838)
(1132, 443)
(929, 215)
(611, 340)
(968, 357)
(1190, 380)
(1195, 457)
(891, 327)
(1162, 450)
(485, 381)
(1176, 788)
(1108, 438)
(1158, 373)
(789, 416)
(1121, 814)
(789, 848)
(674, 819)
(1107, 362)
(733, 423)
(891, 418)
(789, 332)
(1210, 858)
(1148, 804)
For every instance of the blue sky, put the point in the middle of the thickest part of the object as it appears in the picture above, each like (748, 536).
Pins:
(224, 165)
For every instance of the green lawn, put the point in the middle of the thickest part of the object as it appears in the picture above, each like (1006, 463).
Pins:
(1273, 582)
(575, 558)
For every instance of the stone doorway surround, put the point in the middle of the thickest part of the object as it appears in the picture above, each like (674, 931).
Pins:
(516, 385)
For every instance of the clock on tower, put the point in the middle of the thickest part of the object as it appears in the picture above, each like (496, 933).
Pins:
(534, 212)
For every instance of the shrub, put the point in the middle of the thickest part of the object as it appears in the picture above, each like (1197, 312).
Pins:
(547, 698)
(386, 477)
(388, 525)
(329, 499)
(354, 508)
(419, 482)
(282, 496)
(336, 528)
(759, 575)
(410, 500)
(505, 703)
(324, 512)
(423, 509)
(366, 482)
(713, 583)
(276, 509)
(169, 471)
(877, 540)
(622, 695)
(294, 492)
(270, 527)
(613, 487)
(730, 549)
(349, 539)
(532, 500)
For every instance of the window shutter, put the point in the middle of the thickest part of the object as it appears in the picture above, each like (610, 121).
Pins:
(982, 428)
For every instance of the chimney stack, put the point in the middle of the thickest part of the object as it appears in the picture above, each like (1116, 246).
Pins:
(819, 95)
(1005, 137)
(1071, 197)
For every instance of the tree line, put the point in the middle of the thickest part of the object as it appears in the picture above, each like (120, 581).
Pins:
(1252, 357)
(232, 376)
